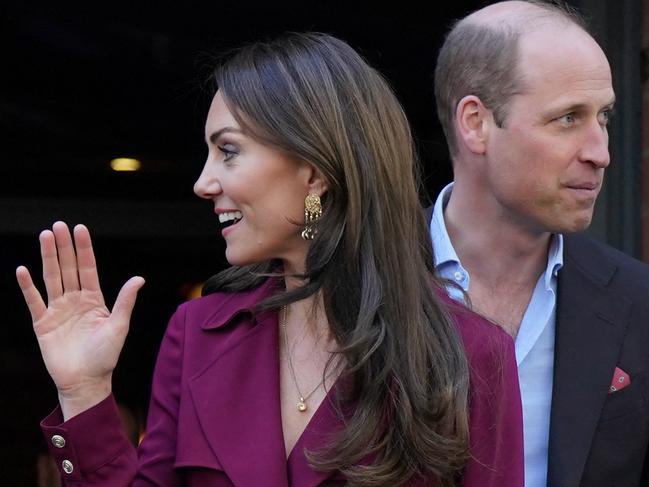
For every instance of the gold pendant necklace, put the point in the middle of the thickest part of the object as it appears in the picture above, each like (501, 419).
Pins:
(301, 404)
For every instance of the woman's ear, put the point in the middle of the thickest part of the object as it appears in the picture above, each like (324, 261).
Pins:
(318, 184)
(473, 123)
(314, 180)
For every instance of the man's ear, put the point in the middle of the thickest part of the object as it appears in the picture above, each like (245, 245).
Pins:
(473, 125)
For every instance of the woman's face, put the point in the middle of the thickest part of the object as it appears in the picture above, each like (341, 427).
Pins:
(257, 190)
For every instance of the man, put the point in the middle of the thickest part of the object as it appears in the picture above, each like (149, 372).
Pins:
(524, 95)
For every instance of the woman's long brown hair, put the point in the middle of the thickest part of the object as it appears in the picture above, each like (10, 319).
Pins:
(313, 96)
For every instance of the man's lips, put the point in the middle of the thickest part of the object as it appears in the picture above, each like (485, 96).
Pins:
(583, 186)
(583, 191)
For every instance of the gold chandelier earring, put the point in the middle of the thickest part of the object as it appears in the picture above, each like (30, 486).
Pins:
(312, 213)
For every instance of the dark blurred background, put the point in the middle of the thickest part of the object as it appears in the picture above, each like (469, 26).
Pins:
(84, 83)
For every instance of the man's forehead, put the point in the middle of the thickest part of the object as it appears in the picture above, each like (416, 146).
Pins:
(562, 55)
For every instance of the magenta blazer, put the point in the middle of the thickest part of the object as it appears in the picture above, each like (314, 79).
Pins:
(214, 417)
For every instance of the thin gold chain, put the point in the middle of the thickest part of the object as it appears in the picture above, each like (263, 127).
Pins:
(301, 405)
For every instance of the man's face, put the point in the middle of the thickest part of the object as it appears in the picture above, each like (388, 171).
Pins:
(545, 166)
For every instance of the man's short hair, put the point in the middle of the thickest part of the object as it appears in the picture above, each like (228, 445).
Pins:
(481, 59)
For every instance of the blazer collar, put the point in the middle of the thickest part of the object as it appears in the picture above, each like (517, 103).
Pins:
(232, 305)
(236, 399)
(590, 258)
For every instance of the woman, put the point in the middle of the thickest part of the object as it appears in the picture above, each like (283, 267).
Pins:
(324, 355)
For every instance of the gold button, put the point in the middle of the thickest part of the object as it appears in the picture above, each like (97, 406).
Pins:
(67, 466)
(58, 441)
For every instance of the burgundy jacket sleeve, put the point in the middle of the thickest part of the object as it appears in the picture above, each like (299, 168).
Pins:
(91, 449)
(495, 412)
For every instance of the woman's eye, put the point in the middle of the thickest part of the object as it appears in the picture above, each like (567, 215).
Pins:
(228, 151)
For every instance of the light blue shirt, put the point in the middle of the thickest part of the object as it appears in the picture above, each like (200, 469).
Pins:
(534, 343)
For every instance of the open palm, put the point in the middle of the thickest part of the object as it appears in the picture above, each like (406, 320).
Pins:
(79, 338)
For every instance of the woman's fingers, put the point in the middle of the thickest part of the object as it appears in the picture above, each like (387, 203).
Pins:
(51, 270)
(71, 266)
(126, 299)
(88, 277)
(67, 257)
(32, 297)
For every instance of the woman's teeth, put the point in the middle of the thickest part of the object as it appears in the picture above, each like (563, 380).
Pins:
(229, 216)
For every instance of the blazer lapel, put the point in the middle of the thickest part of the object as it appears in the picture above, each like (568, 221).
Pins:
(590, 327)
(237, 402)
(320, 431)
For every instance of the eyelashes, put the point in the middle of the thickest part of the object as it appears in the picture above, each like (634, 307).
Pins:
(227, 151)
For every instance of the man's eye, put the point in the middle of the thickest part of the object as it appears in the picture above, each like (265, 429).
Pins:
(568, 119)
(605, 117)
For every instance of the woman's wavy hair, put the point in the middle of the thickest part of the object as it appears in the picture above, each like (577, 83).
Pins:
(313, 96)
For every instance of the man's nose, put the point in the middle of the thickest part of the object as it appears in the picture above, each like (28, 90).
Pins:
(595, 146)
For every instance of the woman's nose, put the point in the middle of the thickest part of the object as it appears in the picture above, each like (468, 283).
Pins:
(207, 185)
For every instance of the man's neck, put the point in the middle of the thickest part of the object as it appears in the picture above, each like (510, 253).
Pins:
(489, 247)
(504, 260)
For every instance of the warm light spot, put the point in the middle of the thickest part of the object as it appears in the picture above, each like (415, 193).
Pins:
(125, 164)
(191, 290)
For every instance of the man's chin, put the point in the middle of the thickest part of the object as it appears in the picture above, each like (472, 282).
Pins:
(578, 224)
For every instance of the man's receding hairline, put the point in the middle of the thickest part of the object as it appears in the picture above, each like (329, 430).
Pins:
(518, 17)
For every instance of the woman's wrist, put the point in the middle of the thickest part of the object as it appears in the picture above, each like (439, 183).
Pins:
(74, 402)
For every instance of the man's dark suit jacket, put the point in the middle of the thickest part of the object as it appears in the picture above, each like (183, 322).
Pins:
(597, 438)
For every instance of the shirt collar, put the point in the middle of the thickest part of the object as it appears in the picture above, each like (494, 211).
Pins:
(442, 246)
(555, 260)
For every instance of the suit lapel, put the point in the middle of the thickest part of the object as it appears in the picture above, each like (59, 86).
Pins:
(237, 402)
(590, 327)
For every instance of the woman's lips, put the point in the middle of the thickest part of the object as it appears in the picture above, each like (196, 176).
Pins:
(228, 226)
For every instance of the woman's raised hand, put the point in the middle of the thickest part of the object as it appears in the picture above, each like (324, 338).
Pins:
(79, 338)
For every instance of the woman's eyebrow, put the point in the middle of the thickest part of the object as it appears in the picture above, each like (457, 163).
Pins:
(215, 135)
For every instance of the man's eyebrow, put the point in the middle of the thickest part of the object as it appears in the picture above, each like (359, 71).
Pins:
(578, 107)
(215, 135)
